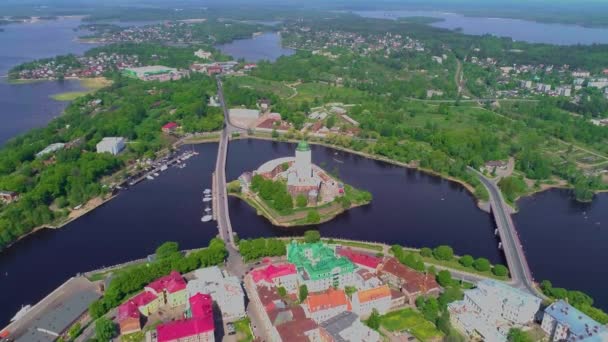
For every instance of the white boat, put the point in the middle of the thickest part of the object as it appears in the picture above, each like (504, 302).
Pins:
(156, 174)
(21, 313)
(207, 218)
(207, 199)
(164, 167)
(207, 209)
(207, 191)
(149, 177)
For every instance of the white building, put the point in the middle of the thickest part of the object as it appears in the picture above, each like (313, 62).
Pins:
(226, 291)
(492, 309)
(563, 322)
(200, 53)
(321, 306)
(112, 145)
(365, 301)
(346, 327)
(303, 162)
(50, 149)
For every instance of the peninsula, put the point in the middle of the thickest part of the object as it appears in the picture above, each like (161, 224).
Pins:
(292, 191)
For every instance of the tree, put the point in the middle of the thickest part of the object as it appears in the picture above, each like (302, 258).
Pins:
(313, 217)
(330, 122)
(466, 260)
(349, 290)
(518, 335)
(105, 329)
(500, 270)
(303, 293)
(312, 236)
(445, 253)
(426, 252)
(443, 322)
(374, 320)
(275, 134)
(167, 250)
(74, 331)
(444, 278)
(282, 291)
(301, 201)
(482, 264)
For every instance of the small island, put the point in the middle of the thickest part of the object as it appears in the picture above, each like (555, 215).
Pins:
(292, 191)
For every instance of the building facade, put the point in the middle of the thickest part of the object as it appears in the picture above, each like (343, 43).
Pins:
(277, 275)
(225, 290)
(365, 301)
(563, 322)
(322, 306)
(112, 145)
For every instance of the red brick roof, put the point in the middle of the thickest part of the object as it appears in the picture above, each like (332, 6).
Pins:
(360, 258)
(127, 310)
(201, 321)
(172, 283)
(143, 298)
(413, 281)
(170, 125)
(271, 272)
(295, 331)
(328, 299)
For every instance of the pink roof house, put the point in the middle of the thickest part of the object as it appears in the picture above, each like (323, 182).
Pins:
(276, 275)
(171, 289)
(198, 328)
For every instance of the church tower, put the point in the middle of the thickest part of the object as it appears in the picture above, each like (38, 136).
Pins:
(303, 161)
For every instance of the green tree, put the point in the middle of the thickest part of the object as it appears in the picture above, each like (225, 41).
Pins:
(303, 293)
(426, 252)
(445, 253)
(275, 134)
(105, 329)
(444, 278)
(374, 320)
(466, 260)
(312, 236)
(500, 270)
(482, 264)
(301, 201)
(313, 217)
(167, 250)
(74, 331)
(282, 291)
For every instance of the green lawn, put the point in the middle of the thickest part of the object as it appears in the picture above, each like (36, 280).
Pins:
(309, 91)
(243, 330)
(275, 87)
(373, 247)
(412, 322)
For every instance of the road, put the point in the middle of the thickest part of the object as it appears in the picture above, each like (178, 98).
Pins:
(512, 247)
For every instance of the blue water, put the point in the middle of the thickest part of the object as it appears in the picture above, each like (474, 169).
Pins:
(27, 106)
(263, 47)
(520, 30)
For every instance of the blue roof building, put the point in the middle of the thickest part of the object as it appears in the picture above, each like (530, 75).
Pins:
(563, 322)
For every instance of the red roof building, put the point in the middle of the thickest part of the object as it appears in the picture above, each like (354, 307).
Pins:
(361, 259)
(198, 328)
(411, 282)
(129, 318)
(276, 275)
(171, 283)
(170, 127)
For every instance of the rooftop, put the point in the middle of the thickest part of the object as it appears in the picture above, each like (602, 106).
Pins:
(359, 258)
(413, 280)
(296, 330)
(328, 299)
(317, 259)
(579, 324)
(201, 321)
(270, 272)
(172, 283)
(373, 294)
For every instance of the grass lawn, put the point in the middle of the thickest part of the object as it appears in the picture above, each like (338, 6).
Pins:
(274, 87)
(243, 330)
(310, 91)
(373, 247)
(412, 322)
(134, 337)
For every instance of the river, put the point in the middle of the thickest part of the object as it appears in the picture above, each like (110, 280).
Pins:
(521, 30)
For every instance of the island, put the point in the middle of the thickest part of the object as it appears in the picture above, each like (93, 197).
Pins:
(292, 191)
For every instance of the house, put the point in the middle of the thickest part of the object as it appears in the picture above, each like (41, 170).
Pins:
(365, 301)
(170, 127)
(170, 289)
(319, 268)
(199, 327)
(364, 279)
(492, 309)
(322, 306)
(200, 53)
(409, 281)
(146, 302)
(8, 196)
(129, 318)
(276, 275)
(298, 330)
(111, 145)
(225, 290)
(360, 259)
(563, 322)
(346, 327)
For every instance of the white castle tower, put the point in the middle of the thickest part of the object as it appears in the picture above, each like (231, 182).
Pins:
(303, 163)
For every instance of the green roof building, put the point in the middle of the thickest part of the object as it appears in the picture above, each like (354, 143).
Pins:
(319, 267)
